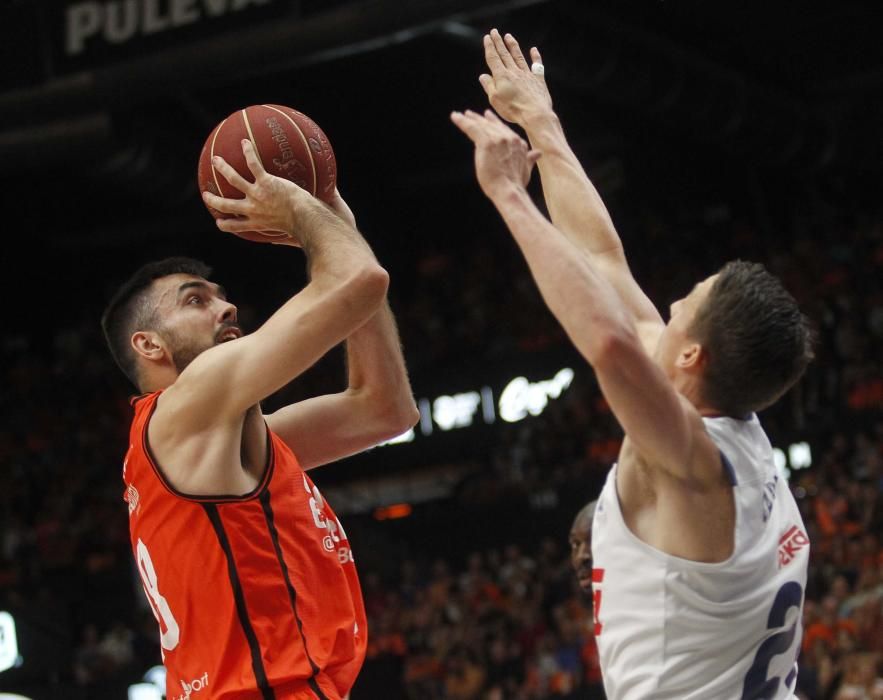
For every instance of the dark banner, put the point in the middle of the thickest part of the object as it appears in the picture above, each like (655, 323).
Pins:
(23, 44)
(89, 33)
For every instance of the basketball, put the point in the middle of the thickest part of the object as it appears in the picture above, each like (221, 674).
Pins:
(288, 143)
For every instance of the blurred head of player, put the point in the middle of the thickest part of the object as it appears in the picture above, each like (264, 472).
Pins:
(581, 547)
(163, 317)
(736, 342)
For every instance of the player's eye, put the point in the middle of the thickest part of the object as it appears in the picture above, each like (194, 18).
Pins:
(195, 299)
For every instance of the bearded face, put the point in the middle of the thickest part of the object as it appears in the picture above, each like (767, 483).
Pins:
(184, 349)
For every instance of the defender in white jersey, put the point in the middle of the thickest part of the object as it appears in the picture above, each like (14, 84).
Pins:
(699, 552)
(669, 627)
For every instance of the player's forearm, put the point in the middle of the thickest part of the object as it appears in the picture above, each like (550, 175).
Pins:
(377, 404)
(574, 204)
(335, 251)
(376, 369)
(585, 303)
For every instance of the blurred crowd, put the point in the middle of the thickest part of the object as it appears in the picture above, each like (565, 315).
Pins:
(505, 619)
(509, 623)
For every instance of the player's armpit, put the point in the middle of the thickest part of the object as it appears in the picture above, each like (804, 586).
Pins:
(664, 427)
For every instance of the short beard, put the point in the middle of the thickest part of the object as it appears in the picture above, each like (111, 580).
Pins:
(183, 351)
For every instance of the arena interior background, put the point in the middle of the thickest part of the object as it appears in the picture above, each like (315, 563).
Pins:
(713, 131)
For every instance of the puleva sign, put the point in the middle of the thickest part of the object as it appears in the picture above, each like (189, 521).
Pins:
(88, 25)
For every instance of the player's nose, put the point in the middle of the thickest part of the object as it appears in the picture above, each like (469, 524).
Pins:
(229, 312)
(583, 553)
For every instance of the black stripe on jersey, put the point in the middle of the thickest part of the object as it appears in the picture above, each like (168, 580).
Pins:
(257, 663)
(292, 592)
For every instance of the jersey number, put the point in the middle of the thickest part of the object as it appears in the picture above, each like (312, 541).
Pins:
(169, 637)
(757, 686)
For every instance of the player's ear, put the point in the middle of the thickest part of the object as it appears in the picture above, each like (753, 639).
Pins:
(148, 344)
(691, 357)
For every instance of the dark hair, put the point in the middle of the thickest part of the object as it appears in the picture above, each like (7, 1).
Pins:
(131, 309)
(757, 341)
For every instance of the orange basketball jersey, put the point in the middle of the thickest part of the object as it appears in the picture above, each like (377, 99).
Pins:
(257, 595)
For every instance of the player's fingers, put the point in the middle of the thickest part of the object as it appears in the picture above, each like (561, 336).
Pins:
(251, 158)
(487, 82)
(515, 52)
(224, 205)
(491, 57)
(230, 175)
(234, 225)
(467, 124)
(502, 51)
(491, 118)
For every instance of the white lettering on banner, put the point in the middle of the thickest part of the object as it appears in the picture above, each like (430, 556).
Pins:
(518, 399)
(118, 21)
(521, 397)
(799, 456)
(455, 411)
(184, 12)
(8, 642)
(407, 436)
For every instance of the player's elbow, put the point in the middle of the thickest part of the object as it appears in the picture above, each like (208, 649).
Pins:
(367, 286)
(374, 280)
(396, 415)
(405, 416)
(390, 419)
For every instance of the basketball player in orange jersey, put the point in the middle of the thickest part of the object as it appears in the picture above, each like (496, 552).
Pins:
(246, 567)
(699, 550)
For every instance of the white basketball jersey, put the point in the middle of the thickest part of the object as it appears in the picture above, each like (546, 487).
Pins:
(670, 628)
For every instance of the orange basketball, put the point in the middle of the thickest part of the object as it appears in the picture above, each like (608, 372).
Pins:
(288, 143)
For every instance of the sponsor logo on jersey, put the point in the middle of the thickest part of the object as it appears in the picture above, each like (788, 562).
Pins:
(132, 497)
(790, 543)
(336, 537)
(193, 686)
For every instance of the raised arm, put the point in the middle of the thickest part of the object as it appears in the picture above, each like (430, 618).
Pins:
(664, 427)
(376, 405)
(346, 288)
(575, 207)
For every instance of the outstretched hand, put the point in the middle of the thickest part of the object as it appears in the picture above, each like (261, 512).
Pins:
(502, 158)
(514, 90)
(269, 205)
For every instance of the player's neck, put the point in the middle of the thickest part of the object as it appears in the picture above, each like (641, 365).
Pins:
(158, 380)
